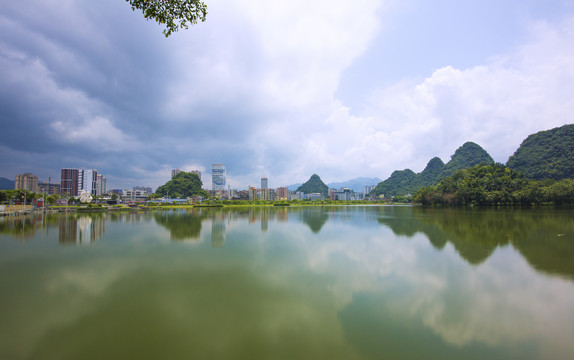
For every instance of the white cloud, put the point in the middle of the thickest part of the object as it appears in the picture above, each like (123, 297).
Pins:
(496, 105)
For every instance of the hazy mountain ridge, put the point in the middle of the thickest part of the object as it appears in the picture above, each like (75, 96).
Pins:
(356, 184)
(6, 184)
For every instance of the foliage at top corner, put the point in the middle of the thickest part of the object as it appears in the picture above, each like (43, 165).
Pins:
(174, 14)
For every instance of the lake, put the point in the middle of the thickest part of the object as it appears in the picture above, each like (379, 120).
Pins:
(340, 282)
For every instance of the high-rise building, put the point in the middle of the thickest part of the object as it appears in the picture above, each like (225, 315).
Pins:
(175, 172)
(264, 183)
(73, 181)
(218, 177)
(27, 182)
(368, 189)
(89, 181)
(101, 185)
(69, 182)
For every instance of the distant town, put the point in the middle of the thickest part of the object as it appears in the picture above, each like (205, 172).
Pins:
(75, 182)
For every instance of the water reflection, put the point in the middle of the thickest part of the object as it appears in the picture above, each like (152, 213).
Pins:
(305, 283)
(545, 237)
(182, 224)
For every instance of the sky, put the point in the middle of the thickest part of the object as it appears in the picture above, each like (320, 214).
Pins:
(282, 89)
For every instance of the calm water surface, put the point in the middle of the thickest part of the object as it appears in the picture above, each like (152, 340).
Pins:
(289, 283)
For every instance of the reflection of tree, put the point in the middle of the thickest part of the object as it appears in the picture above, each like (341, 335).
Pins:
(544, 237)
(182, 225)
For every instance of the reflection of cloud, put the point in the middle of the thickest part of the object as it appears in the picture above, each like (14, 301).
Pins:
(502, 303)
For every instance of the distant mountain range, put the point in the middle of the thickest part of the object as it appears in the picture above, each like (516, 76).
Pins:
(6, 184)
(356, 184)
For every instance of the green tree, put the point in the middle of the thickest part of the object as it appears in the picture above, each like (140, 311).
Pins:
(174, 14)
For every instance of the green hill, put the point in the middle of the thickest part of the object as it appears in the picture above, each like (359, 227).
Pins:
(404, 182)
(183, 185)
(314, 185)
(466, 156)
(546, 155)
(401, 182)
(431, 172)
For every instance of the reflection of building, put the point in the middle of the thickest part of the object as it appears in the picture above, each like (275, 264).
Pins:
(218, 230)
(84, 230)
(218, 177)
(282, 214)
(27, 182)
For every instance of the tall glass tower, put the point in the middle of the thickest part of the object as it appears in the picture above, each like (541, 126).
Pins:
(218, 177)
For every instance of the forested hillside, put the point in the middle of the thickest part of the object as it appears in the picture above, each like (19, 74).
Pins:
(314, 185)
(546, 155)
(406, 181)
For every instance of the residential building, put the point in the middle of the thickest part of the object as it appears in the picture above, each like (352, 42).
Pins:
(69, 182)
(282, 193)
(74, 181)
(175, 172)
(147, 189)
(101, 185)
(48, 188)
(26, 181)
(368, 189)
(135, 195)
(264, 183)
(218, 177)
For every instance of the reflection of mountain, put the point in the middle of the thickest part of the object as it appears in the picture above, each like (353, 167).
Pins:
(314, 217)
(544, 237)
(182, 225)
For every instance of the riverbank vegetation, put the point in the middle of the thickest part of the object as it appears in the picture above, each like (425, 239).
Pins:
(492, 185)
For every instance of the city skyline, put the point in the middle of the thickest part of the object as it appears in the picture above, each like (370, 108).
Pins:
(267, 90)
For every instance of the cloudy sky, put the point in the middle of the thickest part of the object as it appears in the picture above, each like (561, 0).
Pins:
(282, 89)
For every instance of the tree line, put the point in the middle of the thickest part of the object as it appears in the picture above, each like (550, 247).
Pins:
(497, 184)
